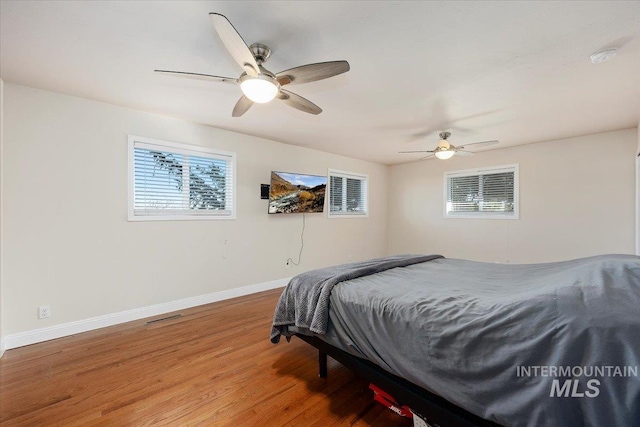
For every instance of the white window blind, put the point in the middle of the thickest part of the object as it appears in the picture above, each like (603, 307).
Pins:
(482, 193)
(178, 181)
(347, 194)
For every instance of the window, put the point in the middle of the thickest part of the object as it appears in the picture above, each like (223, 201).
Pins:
(171, 181)
(347, 194)
(482, 193)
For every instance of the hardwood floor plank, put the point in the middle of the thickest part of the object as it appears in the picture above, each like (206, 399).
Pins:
(213, 366)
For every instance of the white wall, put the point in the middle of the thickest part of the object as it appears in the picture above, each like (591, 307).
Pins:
(67, 242)
(1, 193)
(576, 199)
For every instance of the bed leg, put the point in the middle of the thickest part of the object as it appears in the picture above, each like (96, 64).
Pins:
(322, 364)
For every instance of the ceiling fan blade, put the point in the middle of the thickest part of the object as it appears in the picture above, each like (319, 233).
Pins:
(298, 102)
(426, 157)
(242, 106)
(480, 143)
(419, 151)
(196, 76)
(235, 44)
(464, 153)
(312, 72)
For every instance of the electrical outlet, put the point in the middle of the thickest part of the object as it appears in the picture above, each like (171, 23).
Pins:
(44, 311)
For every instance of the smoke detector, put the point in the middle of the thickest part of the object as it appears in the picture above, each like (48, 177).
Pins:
(603, 55)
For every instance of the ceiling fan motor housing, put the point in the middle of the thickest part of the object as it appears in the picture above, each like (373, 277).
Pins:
(260, 52)
(443, 145)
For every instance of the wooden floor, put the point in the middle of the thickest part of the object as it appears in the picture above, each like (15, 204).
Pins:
(214, 366)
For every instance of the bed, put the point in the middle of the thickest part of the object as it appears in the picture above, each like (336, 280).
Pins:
(469, 343)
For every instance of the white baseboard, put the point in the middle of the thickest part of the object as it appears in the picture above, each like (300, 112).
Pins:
(52, 332)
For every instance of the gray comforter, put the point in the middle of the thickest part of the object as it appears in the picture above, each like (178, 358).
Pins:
(521, 345)
(304, 304)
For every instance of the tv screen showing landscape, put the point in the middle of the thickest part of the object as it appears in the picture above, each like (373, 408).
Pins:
(296, 193)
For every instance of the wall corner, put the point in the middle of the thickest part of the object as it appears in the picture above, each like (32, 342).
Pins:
(638, 192)
(2, 343)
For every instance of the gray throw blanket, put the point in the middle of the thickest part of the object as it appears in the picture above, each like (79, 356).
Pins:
(304, 303)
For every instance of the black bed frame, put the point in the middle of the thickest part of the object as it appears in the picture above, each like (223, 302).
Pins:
(436, 410)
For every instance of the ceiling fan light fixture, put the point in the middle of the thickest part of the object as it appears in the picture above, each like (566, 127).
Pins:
(444, 150)
(259, 89)
(445, 154)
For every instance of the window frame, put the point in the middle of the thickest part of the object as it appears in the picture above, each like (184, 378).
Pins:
(515, 168)
(345, 174)
(185, 149)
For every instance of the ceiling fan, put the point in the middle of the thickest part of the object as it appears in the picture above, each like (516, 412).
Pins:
(258, 84)
(445, 150)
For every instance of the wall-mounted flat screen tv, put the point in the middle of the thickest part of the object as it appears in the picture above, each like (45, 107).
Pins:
(296, 193)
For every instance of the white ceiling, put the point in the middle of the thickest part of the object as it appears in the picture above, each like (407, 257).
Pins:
(514, 71)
